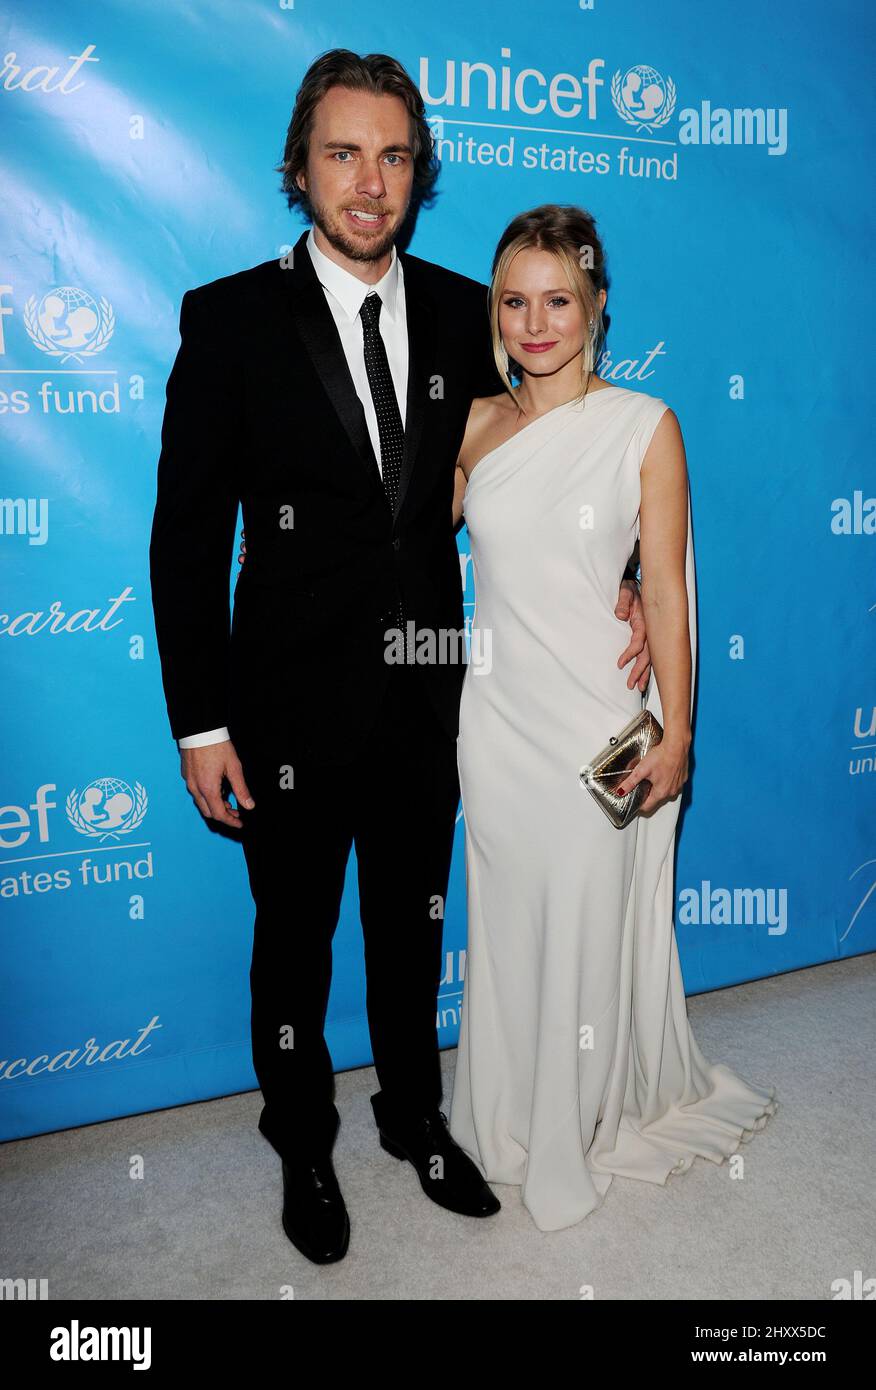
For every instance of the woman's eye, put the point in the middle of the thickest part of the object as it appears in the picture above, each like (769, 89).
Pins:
(558, 300)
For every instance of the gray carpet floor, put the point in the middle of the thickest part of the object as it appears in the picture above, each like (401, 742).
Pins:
(204, 1222)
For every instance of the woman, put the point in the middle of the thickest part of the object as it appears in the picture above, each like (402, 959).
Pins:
(576, 1060)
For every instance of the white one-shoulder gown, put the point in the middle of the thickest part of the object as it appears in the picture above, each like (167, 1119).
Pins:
(576, 1061)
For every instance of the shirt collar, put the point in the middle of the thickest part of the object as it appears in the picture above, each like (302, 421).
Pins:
(350, 291)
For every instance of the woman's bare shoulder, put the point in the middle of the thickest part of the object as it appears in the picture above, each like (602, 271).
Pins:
(488, 406)
(484, 416)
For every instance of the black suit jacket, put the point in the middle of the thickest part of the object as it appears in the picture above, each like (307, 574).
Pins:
(261, 410)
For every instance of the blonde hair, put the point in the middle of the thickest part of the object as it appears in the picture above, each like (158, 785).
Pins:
(569, 233)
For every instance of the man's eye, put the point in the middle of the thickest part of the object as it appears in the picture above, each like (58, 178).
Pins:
(399, 159)
(341, 155)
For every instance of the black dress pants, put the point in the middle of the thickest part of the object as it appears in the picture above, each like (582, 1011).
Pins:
(396, 801)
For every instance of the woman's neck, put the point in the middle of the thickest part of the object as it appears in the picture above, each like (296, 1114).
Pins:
(536, 395)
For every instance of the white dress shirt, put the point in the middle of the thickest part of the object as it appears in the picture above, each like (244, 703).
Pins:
(344, 294)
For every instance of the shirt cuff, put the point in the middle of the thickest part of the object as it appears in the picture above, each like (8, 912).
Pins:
(202, 740)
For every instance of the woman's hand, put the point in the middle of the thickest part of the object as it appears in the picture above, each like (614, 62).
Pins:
(665, 766)
(242, 556)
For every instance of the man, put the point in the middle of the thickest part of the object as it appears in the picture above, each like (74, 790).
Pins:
(336, 423)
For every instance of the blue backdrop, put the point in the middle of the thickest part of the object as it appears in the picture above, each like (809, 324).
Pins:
(726, 153)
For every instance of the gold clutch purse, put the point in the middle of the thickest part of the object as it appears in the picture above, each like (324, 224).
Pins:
(622, 753)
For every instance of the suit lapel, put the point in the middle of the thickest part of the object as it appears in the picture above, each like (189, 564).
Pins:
(418, 312)
(318, 332)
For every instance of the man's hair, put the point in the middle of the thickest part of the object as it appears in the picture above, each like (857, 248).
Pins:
(376, 73)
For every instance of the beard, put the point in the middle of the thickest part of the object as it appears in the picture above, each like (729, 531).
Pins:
(338, 236)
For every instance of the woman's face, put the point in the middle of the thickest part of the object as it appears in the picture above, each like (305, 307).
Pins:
(541, 322)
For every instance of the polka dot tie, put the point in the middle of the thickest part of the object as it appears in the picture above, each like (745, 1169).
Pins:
(389, 423)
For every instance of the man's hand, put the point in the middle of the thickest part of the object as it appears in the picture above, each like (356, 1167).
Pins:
(203, 770)
(629, 609)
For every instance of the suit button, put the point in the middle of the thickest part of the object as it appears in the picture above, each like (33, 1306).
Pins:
(396, 545)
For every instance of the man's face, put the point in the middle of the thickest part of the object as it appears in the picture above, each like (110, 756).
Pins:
(359, 174)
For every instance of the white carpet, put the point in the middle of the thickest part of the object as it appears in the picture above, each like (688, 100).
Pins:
(204, 1223)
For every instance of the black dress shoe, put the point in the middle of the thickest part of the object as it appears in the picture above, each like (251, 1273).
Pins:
(447, 1175)
(314, 1214)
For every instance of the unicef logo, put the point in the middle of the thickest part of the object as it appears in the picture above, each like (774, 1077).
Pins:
(107, 808)
(642, 98)
(69, 323)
